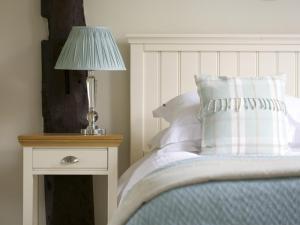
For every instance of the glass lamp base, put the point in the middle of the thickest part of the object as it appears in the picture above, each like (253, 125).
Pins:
(93, 131)
(92, 115)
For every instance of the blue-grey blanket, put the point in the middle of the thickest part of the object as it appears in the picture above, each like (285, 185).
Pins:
(248, 202)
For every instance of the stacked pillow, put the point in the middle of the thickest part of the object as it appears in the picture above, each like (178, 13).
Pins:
(242, 115)
(293, 118)
(181, 112)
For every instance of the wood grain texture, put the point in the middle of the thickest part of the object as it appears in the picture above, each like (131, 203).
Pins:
(72, 140)
(69, 200)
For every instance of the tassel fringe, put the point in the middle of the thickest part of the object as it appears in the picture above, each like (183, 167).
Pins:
(236, 104)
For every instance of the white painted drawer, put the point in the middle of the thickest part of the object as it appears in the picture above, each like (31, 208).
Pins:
(51, 158)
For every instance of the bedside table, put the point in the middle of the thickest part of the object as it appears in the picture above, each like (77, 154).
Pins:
(63, 154)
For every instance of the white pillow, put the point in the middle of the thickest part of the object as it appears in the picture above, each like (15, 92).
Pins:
(293, 108)
(180, 110)
(183, 110)
(293, 116)
(185, 134)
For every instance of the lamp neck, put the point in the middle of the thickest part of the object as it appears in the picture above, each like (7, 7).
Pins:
(91, 90)
(91, 73)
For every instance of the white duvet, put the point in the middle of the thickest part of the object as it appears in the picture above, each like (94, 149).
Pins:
(159, 159)
(213, 168)
(148, 164)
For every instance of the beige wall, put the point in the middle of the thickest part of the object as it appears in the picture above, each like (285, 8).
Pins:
(22, 28)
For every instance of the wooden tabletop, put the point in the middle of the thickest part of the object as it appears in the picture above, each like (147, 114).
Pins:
(72, 140)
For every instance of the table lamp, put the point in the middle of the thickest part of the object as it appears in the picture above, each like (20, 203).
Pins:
(90, 48)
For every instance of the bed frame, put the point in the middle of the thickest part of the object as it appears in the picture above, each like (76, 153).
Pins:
(163, 66)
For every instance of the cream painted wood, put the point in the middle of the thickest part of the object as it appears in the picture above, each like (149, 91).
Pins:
(221, 47)
(163, 66)
(112, 180)
(229, 63)
(29, 188)
(287, 64)
(137, 101)
(267, 63)
(36, 200)
(41, 200)
(170, 81)
(208, 39)
(47, 160)
(248, 64)
(152, 94)
(189, 68)
(209, 63)
(70, 171)
(297, 74)
(50, 158)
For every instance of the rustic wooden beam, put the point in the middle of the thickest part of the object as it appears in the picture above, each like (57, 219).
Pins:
(69, 199)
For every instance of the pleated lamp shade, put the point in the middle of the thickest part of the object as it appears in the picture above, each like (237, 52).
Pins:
(90, 48)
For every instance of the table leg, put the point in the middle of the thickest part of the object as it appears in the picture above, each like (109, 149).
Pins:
(112, 181)
(28, 187)
(35, 200)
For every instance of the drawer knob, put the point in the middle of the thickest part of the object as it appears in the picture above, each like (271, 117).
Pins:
(69, 160)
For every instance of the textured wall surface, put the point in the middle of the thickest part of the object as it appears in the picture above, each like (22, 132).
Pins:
(22, 29)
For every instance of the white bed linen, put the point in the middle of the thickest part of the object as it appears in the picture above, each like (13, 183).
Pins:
(200, 171)
(159, 159)
(146, 165)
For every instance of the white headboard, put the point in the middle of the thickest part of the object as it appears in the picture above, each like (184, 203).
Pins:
(163, 66)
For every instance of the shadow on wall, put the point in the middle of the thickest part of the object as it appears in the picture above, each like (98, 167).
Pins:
(113, 104)
(121, 82)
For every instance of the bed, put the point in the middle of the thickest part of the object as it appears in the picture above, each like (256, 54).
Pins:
(175, 184)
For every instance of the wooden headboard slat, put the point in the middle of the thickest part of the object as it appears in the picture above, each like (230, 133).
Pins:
(163, 66)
